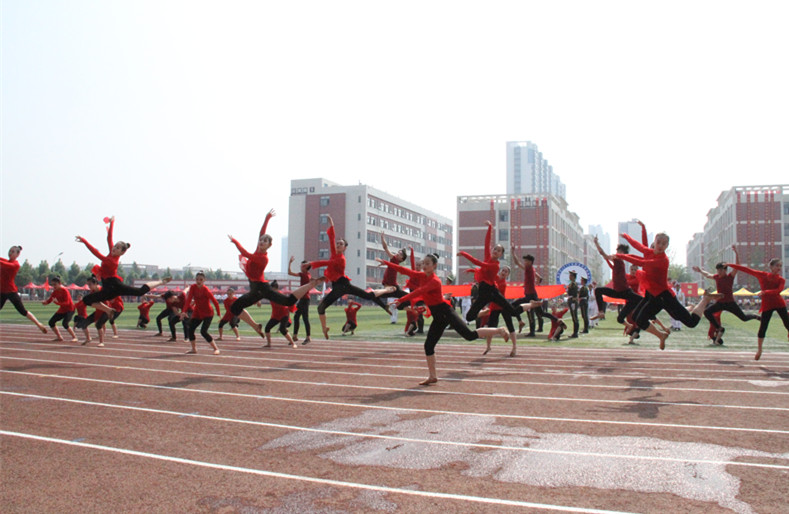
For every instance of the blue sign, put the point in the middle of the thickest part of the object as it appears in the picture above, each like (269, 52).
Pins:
(563, 275)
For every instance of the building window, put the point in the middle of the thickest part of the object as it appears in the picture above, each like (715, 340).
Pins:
(323, 237)
(324, 201)
(323, 253)
(324, 219)
(786, 208)
(504, 216)
(504, 235)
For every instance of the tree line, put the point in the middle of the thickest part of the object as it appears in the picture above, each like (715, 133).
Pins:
(75, 274)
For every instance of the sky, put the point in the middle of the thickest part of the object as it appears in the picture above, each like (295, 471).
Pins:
(186, 120)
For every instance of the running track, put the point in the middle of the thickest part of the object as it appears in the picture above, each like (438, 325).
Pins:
(341, 426)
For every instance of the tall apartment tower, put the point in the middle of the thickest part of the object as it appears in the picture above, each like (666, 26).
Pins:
(529, 173)
(633, 229)
(753, 218)
(360, 214)
(540, 225)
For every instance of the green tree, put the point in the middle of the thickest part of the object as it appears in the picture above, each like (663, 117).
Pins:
(679, 273)
(73, 272)
(42, 272)
(25, 274)
(82, 278)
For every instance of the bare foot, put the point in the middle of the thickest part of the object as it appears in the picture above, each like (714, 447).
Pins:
(43, 329)
(428, 381)
(115, 337)
(513, 353)
(267, 345)
(306, 340)
(191, 352)
(238, 338)
(58, 339)
(504, 334)
(75, 340)
(100, 344)
(219, 339)
(326, 333)
(486, 351)
(663, 341)
(216, 352)
(521, 324)
(758, 355)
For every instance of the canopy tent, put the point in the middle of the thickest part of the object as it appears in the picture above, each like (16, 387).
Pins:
(785, 292)
(743, 292)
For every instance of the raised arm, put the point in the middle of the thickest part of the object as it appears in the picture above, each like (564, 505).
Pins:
(644, 239)
(471, 258)
(635, 244)
(515, 258)
(400, 269)
(110, 243)
(488, 236)
(290, 271)
(385, 246)
(601, 252)
(332, 237)
(413, 258)
(270, 215)
(90, 247)
(241, 249)
(705, 274)
(733, 273)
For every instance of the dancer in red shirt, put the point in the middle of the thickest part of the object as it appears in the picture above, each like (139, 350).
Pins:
(658, 295)
(771, 283)
(340, 284)
(486, 278)
(112, 285)
(389, 279)
(62, 298)
(280, 315)
(228, 317)
(200, 298)
(259, 288)
(145, 317)
(496, 311)
(116, 304)
(443, 314)
(303, 305)
(724, 282)
(8, 291)
(530, 280)
(412, 318)
(350, 317)
(620, 286)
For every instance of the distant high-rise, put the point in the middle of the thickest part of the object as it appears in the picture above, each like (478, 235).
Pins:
(633, 229)
(529, 173)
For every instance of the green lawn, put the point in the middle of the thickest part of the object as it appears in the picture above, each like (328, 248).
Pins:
(374, 325)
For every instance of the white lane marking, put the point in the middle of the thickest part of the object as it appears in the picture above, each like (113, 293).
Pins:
(77, 352)
(323, 481)
(398, 389)
(494, 370)
(400, 409)
(388, 437)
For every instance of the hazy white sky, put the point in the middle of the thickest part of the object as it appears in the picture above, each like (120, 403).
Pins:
(187, 120)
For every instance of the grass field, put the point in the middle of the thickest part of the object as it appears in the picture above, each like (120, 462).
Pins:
(375, 325)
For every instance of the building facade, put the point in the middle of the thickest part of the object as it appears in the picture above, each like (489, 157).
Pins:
(539, 225)
(361, 213)
(529, 173)
(756, 220)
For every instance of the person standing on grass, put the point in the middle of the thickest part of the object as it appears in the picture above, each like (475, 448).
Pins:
(771, 283)
(62, 298)
(303, 305)
(8, 290)
(199, 298)
(530, 280)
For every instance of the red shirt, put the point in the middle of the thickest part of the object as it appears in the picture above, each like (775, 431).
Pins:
(8, 271)
(304, 277)
(201, 297)
(116, 304)
(725, 286)
(228, 303)
(62, 299)
(256, 262)
(412, 314)
(528, 280)
(350, 311)
(335, 266)
(655, 266)
(390, 275)
(429, 291)
(177, 301)
(279, 311)
(489, 268)
(771, 283)
(144, 308)
(82, 309)
(109, 262)
(619, 276)
(502, 287)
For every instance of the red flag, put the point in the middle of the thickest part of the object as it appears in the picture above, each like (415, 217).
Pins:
(46, 285)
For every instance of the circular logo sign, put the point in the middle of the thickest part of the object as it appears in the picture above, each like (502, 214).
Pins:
(563, 275)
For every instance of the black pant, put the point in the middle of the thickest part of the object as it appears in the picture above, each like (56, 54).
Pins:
(204, 324)
(584, 304)
(65, 316)
(493, 320)
(173, 320)
(491, 294)
(302, 313)
(572, 305)
(766, 315)
(342, 287)
(726, 306)
(445, 316)
(283, 323)
(631, 300)
(15, 300)
(259, 291)
(233, 322)
(112, 288)
(539, 312)
(651, 305)
(166, 313)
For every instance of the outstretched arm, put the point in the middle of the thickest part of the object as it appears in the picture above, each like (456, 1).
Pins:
(385, 246)
(110, 244)
(290, 271)
(241, 249)
(644, 239)
(705, 274)
(488, 236)
(90, 247)
(400, 269)
(736, 261)
(635, 244)
(515, 258)
(270, 215)
(601, 252)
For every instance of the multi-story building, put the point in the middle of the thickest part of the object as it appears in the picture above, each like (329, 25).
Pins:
(361, 213)
(529, 173)
(633, 229)
(540, 225)
(756, 220)
(694, 253)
